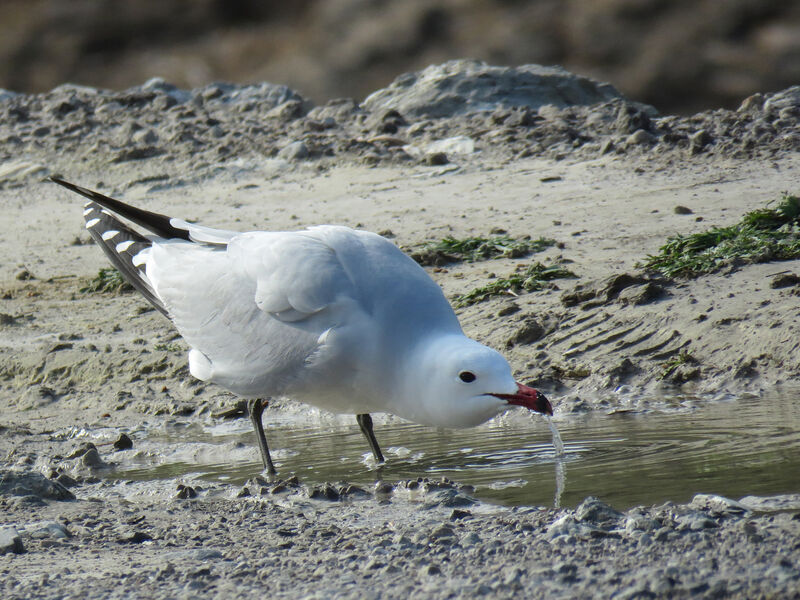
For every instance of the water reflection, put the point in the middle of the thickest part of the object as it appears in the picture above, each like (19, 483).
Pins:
(735, 448)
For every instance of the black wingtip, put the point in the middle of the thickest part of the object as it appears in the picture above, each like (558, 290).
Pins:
(154, 222)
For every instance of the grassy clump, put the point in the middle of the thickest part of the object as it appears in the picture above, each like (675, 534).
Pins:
(450, 249)
(107, 281)
(762, 235)
(669, 367)
(529, 280)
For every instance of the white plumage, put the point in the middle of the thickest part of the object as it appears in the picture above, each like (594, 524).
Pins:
(330, 316)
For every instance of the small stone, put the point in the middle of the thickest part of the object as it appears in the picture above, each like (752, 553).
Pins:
(637, 295)
(607, 147)
(23, 275)
(294, 151)
(699, 140)
(443, 531)
(718, 505)
(32, 485)
(436, 159)
(374, 564)
(428, 570)
(784, 280)
(324, 492)
(137, 537)
(752, 103)
(597, 512)
(682, 210)
(66, 480)
(458, 514)
(10, 541)
(529, 331)
(509, 308)
(640, 137)
(287, 111)
(92, 459)
(145, 137)
(123, 442)
(185, 492)
(48, 529)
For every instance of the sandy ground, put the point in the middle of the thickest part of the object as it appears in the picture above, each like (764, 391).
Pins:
(75, 360)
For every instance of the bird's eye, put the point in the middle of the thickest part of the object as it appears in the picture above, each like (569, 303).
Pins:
(467, 376)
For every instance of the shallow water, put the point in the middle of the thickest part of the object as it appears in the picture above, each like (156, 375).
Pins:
(733, 448)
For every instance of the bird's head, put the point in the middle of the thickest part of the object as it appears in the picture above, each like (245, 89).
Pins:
(462, 383)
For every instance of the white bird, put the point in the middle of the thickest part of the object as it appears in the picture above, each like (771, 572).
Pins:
(330, 316)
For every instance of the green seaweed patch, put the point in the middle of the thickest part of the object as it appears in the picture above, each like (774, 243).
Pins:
(531, 279)
(762, 235)
(473, 249)
(669, 367)
(107, 281)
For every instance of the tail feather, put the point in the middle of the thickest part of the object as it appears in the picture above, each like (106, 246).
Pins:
(121, 245)
(154, 222)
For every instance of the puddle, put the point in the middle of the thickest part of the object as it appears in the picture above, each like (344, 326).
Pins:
(733, 448)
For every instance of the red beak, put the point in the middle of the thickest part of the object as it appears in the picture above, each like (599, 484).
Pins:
(529, 398)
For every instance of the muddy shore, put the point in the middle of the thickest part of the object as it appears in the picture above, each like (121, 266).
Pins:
(601, 175)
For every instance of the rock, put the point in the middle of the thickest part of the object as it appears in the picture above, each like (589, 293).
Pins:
(509, 308)
(529, 331)
(682, 210)
(294, 151)
(429, 570)
(185, 492)
(778, 503)
(6, 95)
(718, 505)
(754, 103)
(47, 529)
(597, 512)
(436, 159)
(123, 442)
(10, 541)
(637, 295)
(640, 137)
(20, 483)
(784, 280)
(640, 522)
(694, 521)
(453, 146)
(136, 537)
(632, 118)
(788, 98)
(287, 111)
(441, 532)
(324, 491)
(698, 141)
(467, 86)
(92, 459)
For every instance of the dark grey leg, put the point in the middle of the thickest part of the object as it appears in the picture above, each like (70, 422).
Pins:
(365, 422)
(256, 408)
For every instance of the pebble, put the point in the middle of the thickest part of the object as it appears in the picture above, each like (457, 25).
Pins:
(10, 541)
(123, 442)
(294, 151)
(640, 137)
(29, 484)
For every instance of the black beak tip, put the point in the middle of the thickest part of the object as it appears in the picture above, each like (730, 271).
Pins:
(544, 405)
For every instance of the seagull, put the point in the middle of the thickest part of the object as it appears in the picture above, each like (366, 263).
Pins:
(337, 318)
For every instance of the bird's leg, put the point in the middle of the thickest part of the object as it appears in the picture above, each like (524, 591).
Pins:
(365, 422)
(256, 408)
